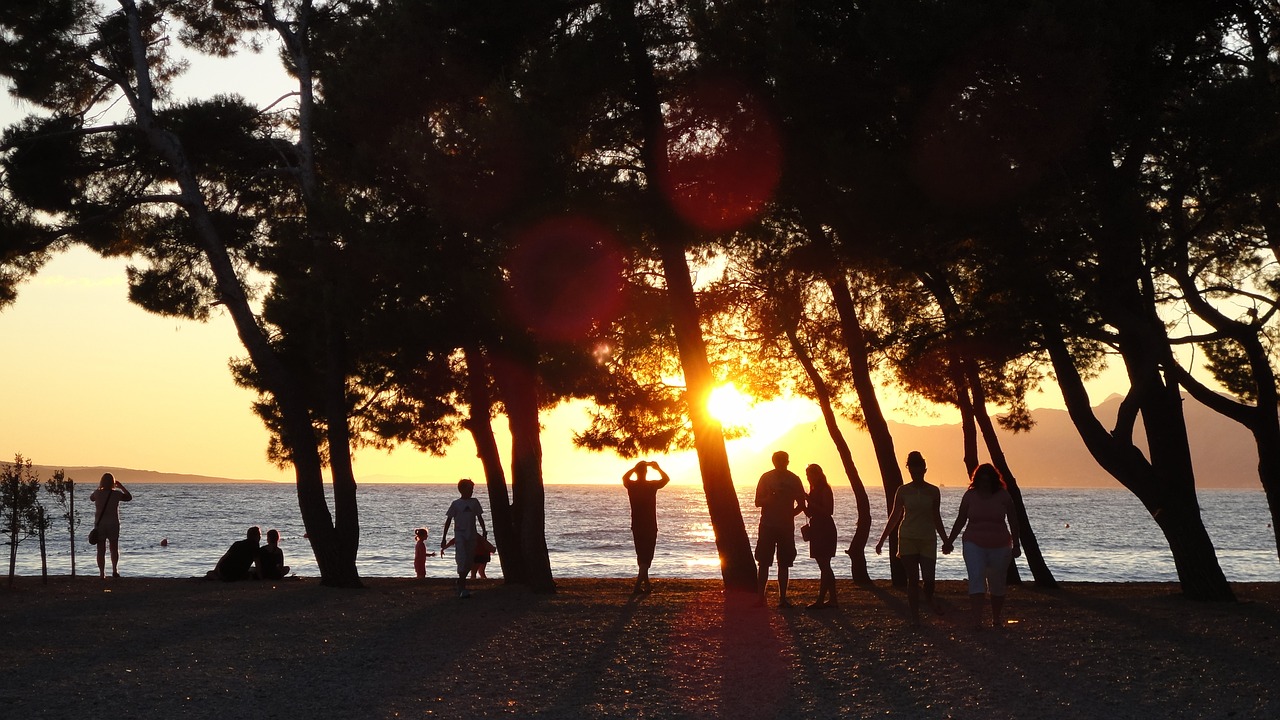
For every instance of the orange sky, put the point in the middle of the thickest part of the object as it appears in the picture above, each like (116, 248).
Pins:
(93, 380)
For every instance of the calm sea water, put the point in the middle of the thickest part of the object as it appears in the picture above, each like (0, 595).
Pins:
(1086, 535)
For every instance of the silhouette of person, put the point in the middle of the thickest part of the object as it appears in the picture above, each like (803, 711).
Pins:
(643, 494)
(917, 516)
(990, 540)
(420, 553)
(463, 514)
(780, 497)
(236, 562)
(484, 553)
(820, 507)
(271, 558)
(106, 500)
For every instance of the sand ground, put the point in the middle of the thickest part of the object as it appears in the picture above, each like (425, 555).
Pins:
(168, 648)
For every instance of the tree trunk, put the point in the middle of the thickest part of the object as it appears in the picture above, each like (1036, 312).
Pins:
(480, 424)
(1168, 495)
(737, 565)
(972, 398)
(517, 384)
(336, 564)
(873, 417)
(858, 543)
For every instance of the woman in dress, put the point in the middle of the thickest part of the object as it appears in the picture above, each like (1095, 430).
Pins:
(820, 506)
(990, 539)
(106, 501)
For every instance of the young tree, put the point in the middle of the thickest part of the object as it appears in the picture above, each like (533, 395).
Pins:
(21, 514)
(62, 488)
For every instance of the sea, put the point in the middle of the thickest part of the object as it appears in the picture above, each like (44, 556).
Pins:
(1086, 535)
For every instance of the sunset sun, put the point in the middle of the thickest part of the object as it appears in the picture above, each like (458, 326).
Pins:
(728, 405)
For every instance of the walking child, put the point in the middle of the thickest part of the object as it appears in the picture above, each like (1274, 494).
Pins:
(463, 514)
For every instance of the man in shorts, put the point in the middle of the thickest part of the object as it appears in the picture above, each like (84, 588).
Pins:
(780, 497)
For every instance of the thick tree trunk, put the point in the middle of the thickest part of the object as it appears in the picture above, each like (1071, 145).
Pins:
(858, 543)
(1168, 493)
(480, 424)
(517, 385)
(737, 565)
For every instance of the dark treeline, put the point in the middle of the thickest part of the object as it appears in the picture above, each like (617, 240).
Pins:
(476, 210)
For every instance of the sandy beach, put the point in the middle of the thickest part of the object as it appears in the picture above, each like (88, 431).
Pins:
(166, 648)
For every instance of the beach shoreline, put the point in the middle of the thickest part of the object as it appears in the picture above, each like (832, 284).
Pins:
(154, 648)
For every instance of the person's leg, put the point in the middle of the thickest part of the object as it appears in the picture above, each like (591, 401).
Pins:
(975, 563)
(764, 558)
(912, 565)
(102, 557)
(831, 582)
(115, 553)
(928, 574)
(786, 557)
(998, 561)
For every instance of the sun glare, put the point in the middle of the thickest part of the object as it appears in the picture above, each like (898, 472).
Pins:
(728, 405)
(764, 421)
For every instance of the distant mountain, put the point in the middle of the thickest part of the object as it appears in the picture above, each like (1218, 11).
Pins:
(1050, 455)
(90, 475)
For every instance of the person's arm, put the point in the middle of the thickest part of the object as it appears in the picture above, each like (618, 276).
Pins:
(662, 475)
(895, 517)
(628, 477)
(937, 516)
(801, 504)
(448, 520)
(962, 516)
(480, 518)
(125, 496)
(1011, 514)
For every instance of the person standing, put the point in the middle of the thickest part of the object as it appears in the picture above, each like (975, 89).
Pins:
(990, 539)
(820, 508)
(463, 514)
(106, 501)
(643, 494)
(917, 516)
(420, 552)
(780, 497)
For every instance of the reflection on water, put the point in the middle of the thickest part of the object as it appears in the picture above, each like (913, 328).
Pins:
(1086, 535)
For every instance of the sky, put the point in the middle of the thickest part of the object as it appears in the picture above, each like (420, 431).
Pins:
(90, 379)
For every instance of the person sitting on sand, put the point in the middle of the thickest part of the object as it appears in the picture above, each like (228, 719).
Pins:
(271, 558)
(237, 561)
